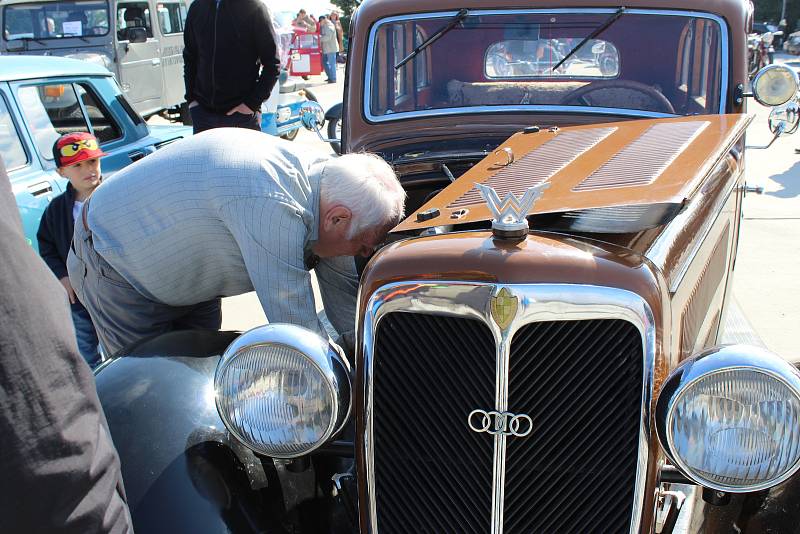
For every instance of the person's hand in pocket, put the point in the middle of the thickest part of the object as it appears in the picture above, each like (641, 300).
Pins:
(241, 108)
(68, 288)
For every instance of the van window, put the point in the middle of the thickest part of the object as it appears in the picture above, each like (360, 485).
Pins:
(55, 20)
(171, 17)
(53, 110)
(11, 148)
(133, 15)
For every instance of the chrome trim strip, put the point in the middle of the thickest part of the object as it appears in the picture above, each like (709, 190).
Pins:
(537, 302)
(658, 251)
(723, 28)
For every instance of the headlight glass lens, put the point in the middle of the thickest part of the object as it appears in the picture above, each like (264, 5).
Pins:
(736, 428)
(276, 400)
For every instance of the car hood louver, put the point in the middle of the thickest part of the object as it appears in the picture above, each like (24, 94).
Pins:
(615, 177)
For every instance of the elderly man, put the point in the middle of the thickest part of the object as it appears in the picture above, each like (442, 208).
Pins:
(223, 213)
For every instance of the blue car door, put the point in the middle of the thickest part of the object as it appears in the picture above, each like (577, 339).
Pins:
(33, 186)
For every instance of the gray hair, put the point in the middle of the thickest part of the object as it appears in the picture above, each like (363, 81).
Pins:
(367, 186)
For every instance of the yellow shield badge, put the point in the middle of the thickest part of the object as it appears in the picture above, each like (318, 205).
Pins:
(504, 308)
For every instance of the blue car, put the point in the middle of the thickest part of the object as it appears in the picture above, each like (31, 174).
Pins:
(42, 98)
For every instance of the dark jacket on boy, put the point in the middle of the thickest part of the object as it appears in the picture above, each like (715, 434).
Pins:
(55, 235)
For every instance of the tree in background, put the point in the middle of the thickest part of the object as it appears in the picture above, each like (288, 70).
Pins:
(770, 11)
(347, 6)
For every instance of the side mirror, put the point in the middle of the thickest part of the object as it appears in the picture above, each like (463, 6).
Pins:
(312, 115)
(137, 34)
(784, 119)
(774, 85)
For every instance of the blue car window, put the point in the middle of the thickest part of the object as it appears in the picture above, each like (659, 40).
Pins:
(104, 127)
(51, 110)
(11, 149)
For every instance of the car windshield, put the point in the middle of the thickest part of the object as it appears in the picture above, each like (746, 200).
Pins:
(643, 63)
(55, 20)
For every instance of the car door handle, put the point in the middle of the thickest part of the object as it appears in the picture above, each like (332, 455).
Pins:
(155, 61)
(136, 155)
(42, 188)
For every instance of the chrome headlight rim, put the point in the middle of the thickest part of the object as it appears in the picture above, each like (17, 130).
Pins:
(756, 84)
(705, 365)
(325, 357)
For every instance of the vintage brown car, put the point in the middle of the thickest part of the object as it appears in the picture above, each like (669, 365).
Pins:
(539, 341)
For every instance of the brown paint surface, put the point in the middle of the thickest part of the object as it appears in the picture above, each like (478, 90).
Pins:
(674, 186)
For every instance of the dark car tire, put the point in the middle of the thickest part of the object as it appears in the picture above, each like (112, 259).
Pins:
(290, 136)
(335, 124)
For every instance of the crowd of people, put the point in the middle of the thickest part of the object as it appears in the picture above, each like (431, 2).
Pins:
(155, 247)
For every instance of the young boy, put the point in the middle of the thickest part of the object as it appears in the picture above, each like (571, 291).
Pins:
(77, 156)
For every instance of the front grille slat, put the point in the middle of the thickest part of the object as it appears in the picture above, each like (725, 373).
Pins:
(580, 382)
(421, 386)
(556, 480)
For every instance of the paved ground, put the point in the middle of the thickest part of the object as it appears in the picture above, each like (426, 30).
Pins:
(766, 286)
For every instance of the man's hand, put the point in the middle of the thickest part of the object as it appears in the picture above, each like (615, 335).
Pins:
(68, 287)
(241, 108)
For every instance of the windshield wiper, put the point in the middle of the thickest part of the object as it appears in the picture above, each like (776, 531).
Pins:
(600, 29)
(35, 40)
(461, 15)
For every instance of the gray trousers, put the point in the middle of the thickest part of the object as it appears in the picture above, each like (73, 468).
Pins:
(121, 315)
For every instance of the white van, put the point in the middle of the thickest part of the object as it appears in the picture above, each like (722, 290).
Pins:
(140, 41)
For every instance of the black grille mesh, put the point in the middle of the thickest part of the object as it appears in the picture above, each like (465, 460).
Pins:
(432, 474)
(581, 383)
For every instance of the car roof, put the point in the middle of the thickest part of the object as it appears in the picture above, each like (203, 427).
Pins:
(27, 67)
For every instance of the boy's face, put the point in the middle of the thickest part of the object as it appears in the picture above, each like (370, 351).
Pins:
(84, 175)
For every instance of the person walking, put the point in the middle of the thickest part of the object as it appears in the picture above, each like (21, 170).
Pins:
(330, 47)
(223, 213)
(334, 18)
(231, 62)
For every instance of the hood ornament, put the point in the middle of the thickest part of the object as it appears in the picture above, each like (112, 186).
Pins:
(511, 214)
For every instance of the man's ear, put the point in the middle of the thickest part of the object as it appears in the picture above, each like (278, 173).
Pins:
(337, 217)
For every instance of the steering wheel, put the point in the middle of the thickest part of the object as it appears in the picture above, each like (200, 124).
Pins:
(582, 95)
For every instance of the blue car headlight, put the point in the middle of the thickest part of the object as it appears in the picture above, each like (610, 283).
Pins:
(730, 419)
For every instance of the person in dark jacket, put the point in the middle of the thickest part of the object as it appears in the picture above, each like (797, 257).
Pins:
(61, 472)
(231, 62)
(77, 158)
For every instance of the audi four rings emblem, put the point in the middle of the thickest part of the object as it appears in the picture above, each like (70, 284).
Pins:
(505, 423)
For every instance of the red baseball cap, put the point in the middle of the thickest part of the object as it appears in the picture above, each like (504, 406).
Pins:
(75, 147)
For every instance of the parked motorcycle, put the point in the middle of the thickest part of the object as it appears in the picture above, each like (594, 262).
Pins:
(760, 52)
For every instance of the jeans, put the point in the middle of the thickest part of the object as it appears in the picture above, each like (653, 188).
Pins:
(87, 337)
(203, 119)
(329, 64)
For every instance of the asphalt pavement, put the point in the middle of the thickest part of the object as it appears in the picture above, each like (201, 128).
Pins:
(766, 289)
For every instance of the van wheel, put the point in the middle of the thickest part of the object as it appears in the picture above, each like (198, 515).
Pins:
(185, 114)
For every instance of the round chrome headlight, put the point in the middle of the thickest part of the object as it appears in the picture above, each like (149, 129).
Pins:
(775, 85)
(730, 419)
(282, 390)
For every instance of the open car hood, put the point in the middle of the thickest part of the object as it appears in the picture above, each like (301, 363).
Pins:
(613, 177)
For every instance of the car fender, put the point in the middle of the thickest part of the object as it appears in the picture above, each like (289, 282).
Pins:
(335, 112)
(182, 470)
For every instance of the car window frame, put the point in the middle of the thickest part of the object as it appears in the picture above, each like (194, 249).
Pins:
(4, 100)
(45, 156)
(369, 95)
(182, 13)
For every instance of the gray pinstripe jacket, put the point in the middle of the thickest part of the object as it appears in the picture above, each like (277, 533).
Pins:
(225, 212)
